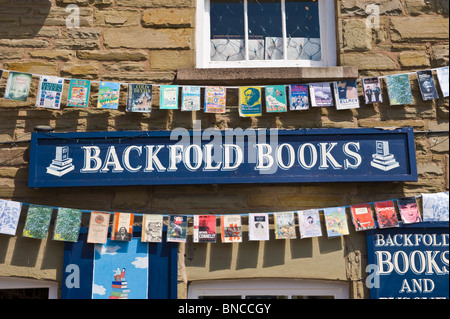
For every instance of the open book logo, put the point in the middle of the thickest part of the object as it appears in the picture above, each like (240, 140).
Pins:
(382, 159)
(62, 164)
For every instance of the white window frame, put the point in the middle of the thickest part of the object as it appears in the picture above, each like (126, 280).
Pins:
(327, 20)
(23, 283)
(270, 287)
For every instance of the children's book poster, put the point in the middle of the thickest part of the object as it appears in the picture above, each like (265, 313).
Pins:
(250, 101)
(426, 84)
(37, 222)
(372, 90)
(231, 228)
(18, 86)
(276, 100)
(139, 98)
(409, 210)
(320, 94)
(309, 223)
(399, 89)
(298, 97)
(108, 95)
(49, 92)
(120, 270)
(258, 226)
(79, 91)
(435, 207)
(285, 225)
(152, 228)
(386, 214)
(362, 217)
(336, 221)
(177, 229)
(122, 227)
(190, 98)
(204, 228)
(9, 216)
(168, 97)
(98, 228)
(346, 95)
(67, 225)
(442, 74)
(215, 99)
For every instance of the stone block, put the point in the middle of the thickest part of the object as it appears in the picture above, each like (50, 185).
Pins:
(169, 18)
(368, 61)
(414, 59)
(356, 36)
(116, 17)
(35, 67)
(163, 60)
(156, 3)
(358, 7)
(432, 28)
(103, 55)
(83, 70)
(62, 55)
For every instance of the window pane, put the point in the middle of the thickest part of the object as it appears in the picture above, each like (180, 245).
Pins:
(303, 30)
(227, 30)
(265, 35)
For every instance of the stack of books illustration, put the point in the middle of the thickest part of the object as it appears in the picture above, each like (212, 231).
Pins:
(119, 290)
(62, 164)
(382, 159)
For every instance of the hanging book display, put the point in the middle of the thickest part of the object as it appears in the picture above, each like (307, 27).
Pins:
(108, 95)
(37, 222)
(346, 95)
(372, 90)
(250, 101)
(442, 74)
(276, 99)
(122, 229)
(204, 229)
(215, 99)
(9, 216)
(98, 228)
(177, 229)
(320, 94)
(152, 228)
(362, 217)
(409, 210)
(298, 97)
(309, 223)
(139, 98)
(258, 226)
(426, 84)
(285, 225)
(190, 98)
(168, 97)
(399, 89)
(67, 224)
(50, 92)
(336, 221)
(386, 214)
(231, 228)
(18, 86)
(79, 91)
(435, 207)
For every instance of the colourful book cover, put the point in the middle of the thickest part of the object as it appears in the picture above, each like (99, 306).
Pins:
(18, 86)
(372, 90)
(346, 95)
(409, 210)
(231, 228)
(108, 95)
(399, 89)
(250, 101)
(79, 91)
(67, 225)
(426, 84)
(98, 228)
(386, 214)
(168, 97)
(37, 222)
(320, 94)
(298, 97)
(177, 229)
(285, 225)
(122, 229)
(309, 223)
(49, 93)
(362, 217)
(204, 228)
(9, 216)
(215, 99)
(442, 74)
(152, 228)
(276, 100)
(336, 221)
(258, 226)
(190, 98)
(435, 207)
(139, 98)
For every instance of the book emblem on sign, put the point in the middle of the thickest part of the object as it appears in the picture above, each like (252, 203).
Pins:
(62, 164)
(382, 159)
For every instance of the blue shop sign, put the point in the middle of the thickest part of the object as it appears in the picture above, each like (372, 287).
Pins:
(216, 157)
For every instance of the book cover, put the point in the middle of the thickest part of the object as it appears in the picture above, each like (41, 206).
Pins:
(18, 86)
(204, 228)
(67, 225)
(108, 95)
(152, 228)
(190, 98)
(409, 210)
(298, 97)
(139, 98)
(122, 229)
(442, 74)
(79, 91)
(98, 228)
(168, 97)
(426, 84)
(309, 223)
(336, 221)
(215, 99)
(399, 89)
(250, 101)
(346, 95)
(276, 100)
(258, 226)
(285, 225)
(9, 216)
(49, 92)
(386, 214)
(37, 222)
(372, 90)
(362, 217)
(176, 229)
(435, 207)
(231, 228)
(320, 94)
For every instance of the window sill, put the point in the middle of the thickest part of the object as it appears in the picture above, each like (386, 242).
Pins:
(260, 76)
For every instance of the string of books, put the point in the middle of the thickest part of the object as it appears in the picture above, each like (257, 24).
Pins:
(342, 94)
(434, 208)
